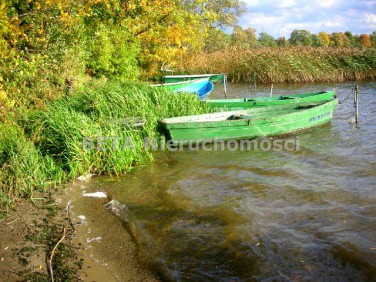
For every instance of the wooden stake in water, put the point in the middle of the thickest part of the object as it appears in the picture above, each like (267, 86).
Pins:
(254, 81)
(356, 102)
(225, 85)
(271, 90)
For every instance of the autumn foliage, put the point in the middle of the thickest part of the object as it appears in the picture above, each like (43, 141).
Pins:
(48, 47)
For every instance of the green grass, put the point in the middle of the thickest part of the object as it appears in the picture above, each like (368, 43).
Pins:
(46, 147)
(23, 169)
(285, 65)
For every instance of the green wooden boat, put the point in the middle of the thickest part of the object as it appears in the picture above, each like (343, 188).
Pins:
(247, 103)
(187, 77)
(182, 85)
(247, 124)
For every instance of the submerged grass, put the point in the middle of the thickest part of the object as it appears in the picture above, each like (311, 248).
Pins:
(285, 64)
(77, 135)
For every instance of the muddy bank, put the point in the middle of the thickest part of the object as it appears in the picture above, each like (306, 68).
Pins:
(28, 235)
(95, 246)
(109, 253)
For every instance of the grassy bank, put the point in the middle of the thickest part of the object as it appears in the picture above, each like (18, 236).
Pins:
(74, 136)
(281, 65)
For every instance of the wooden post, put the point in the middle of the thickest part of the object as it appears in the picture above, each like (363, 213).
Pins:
(271, 90)
(254, 87)
(225, 85)
(356, 101)
(254, 82)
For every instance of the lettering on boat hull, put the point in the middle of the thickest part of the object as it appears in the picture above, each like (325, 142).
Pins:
(316, 118)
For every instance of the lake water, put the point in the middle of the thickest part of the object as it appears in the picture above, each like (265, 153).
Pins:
(306, 215)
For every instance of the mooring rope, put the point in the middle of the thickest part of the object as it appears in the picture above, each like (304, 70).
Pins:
(352, 91)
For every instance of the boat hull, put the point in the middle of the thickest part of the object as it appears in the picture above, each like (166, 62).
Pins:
(178, 78)
(254, 123)
(248, 103)
(202, 87)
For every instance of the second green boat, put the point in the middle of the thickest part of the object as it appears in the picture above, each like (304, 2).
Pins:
(217, 77)
(248, 103)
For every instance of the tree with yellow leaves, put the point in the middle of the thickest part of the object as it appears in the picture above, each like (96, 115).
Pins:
(339, 39)
(46, 43)
(324, 39)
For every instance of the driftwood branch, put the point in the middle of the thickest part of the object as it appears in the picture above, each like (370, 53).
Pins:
(52, 255)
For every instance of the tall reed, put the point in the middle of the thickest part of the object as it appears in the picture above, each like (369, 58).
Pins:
(288, 64)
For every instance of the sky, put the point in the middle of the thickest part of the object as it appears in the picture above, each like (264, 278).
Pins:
(280, 18)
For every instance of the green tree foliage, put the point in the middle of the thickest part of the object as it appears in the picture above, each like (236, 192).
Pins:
(217, 40)
(244, 38)
(49, 46)
(373, 39)
(113, 52)
(168, 29)
(351, 38)
(227, 12)
(301, 38)
(39, 42)
(320, 40)
(282, 42)
(315, 40)
(267, 40)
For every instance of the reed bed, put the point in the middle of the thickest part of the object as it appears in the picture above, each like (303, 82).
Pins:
(48, 147)
(285, 65)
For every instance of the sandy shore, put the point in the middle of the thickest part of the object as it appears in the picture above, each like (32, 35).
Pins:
(96, 247)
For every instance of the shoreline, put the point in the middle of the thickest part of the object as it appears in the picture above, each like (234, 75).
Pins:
(15, 250)
(97, 246)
